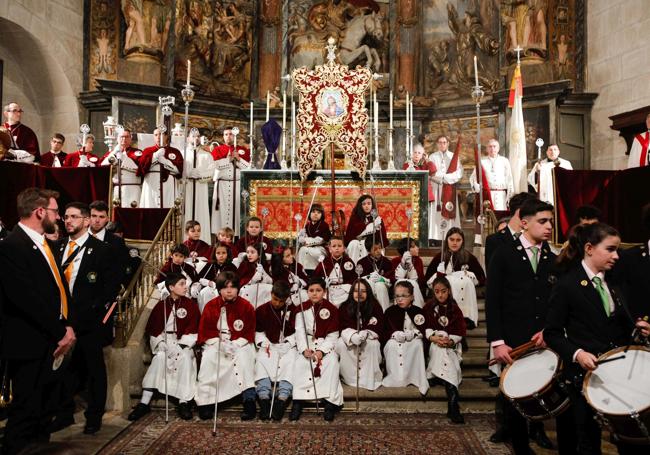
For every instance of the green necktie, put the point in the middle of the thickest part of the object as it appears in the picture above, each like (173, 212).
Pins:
(533, 257)
(602, 293)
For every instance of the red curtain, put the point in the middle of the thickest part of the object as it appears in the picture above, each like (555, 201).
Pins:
(74, 184)
(619, 194)
(142, 224)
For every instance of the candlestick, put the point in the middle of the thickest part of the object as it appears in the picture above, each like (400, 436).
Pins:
(189, 70)
(390, 110)
(475, 71)
(293, 135)
(268, 104)
(283, 162)
(250, 130)
(376, 108)
(408, 128)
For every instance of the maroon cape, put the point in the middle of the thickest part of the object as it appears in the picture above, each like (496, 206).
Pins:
(171, 153)
(170, 267)
(394, 319)
(222, 151)
(248, 239)
(356, 226)
(346, 264)
(240, 315)
(269, 321)
(186, 321)
(202, 248)
(326, 321)
(246, 271)
(211, 270)
(375, 322)
(72, 160)
(47, 159)
(318, 229)
(426, 165)
(23, 138)
(383, 266)
(133, 153)
(433, 312)
(474, 266)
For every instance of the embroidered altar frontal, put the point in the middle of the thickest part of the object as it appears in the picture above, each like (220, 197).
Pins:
(283, 194)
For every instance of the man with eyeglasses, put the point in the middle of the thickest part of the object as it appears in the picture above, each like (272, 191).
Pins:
(127, 182)
(56, 156)
(24, 144)
(92, 277)
(37, 319)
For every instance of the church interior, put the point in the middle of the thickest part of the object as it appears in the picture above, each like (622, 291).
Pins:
(438, 111)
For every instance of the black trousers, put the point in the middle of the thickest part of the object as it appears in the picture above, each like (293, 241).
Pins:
(87, 368)
(35, 388)
(517, 427)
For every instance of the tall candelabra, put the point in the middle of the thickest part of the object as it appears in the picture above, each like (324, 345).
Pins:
(477, 96)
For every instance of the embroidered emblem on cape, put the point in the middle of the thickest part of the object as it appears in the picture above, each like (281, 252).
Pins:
(372, 321)
(238, 325)
(324, 313)
(181, 313)
(348, 266)
(93, 159)
(92, 277)
(138, 153)
(418, 319)
(443, 320)
(172, 156)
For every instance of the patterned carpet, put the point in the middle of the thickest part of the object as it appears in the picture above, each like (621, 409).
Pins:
(376, 434)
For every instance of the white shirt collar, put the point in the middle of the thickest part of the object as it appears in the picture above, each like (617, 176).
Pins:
(38, 239)
(591, 274)
(81, 240)
(101, 234)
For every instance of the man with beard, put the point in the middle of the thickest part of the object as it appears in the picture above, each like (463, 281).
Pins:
(93, 282)
(229, 160)
(36, 318)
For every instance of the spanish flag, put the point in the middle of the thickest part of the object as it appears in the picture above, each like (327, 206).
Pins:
(516, 87)
(517, 135)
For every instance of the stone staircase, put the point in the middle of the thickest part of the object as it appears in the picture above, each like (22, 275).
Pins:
(476, 394)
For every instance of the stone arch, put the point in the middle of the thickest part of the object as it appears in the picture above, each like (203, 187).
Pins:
(43, 68)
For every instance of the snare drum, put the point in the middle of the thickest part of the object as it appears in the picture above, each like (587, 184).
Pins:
(619, 392)
(531, 383)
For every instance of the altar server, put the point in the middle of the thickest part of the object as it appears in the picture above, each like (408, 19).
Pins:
(338, 271)
(404, 326)
(409, 266)
(56, 156)
(499, 176)
(442, 159)
(176, 264)
(313, 238)
(420, 162)
(172, 329)
(285, 268)
(254, 235)
(363, 223)
(227, 331)
(255, 281)
(361, 339)
(161, 166)
(221, 262)
(276, 353)
(24, 144)
(200, 251)
(317, 329)
(639, 155)
(126, 181)
(377, 270)
(83, 157)
(198, 170)
(540, 176)
(229, 160)
(445, 328)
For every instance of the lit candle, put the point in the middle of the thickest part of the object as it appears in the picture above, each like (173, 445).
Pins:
(475, 71)
(293, 129)
(376, 107)
(390, 110)
(268, 104)
(189, 70)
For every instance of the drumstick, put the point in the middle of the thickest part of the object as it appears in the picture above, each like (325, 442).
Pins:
(516, 352)
(611, 359)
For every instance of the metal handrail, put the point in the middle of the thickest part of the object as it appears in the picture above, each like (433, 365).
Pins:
(133, 300)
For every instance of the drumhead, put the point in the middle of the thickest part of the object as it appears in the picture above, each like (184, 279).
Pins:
(529, 374)
(620, 386)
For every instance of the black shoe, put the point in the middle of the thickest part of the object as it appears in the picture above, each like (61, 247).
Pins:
(296, 410)
(279, 406)
(139, 411)
(60, 422)
(184, 411)
(206, 412)
(538, 435)
(453, 410)
(330, 411)
(500, 436)
(249, 410)
(265, 409)
(92, 427)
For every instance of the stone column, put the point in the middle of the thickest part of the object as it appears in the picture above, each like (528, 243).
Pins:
(406, 46)
(269, 47)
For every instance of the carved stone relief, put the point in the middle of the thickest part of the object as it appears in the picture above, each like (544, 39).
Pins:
(147, 28)
(103, 40)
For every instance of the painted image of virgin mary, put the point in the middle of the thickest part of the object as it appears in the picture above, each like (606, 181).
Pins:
(331, 107)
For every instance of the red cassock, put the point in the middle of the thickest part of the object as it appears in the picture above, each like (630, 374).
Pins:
(170, 267)
(171, 153)
(283, 273)
(383, 266)
(212, 270)
(201, 248)
(426, 166)
(318, 229)
(23, 138)
(474, 266)
(323, 326)
(346, 264)
(240, 316)
(374, 321)
(356, 226)
(248, 240)
(448, 317)
(394, 319)
(133, 153)
(187, 321)
(222, 151)
(47, 160)
(246, 271)
(72, 160)
(269, 321)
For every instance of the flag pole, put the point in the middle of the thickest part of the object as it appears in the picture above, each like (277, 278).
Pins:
(477, 96)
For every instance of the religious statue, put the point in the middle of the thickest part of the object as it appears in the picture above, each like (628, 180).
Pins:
(358, 26)
(525, 27)
(148, 23)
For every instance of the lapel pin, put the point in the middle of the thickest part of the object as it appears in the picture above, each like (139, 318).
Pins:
(584, 283)
(35, 247)
(643, 254)
(519, 247)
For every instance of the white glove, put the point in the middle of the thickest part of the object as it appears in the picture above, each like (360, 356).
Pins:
(399, 336)
(282, 348)
(367, 231)
(441, 268)
(264, 344)
(23, 156)
(204, 282)
(259, 269)
(409, 334)
(162, 290)
(161, 347)
(363, 334)
(406, 257)
(374, 277)
(328, 282)
(371, 335)
(318, 239)
(377, 221)
(355, 339)
(83, 161)
(229, 347)
(476, 187)
(195, 289)
(158, 154)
